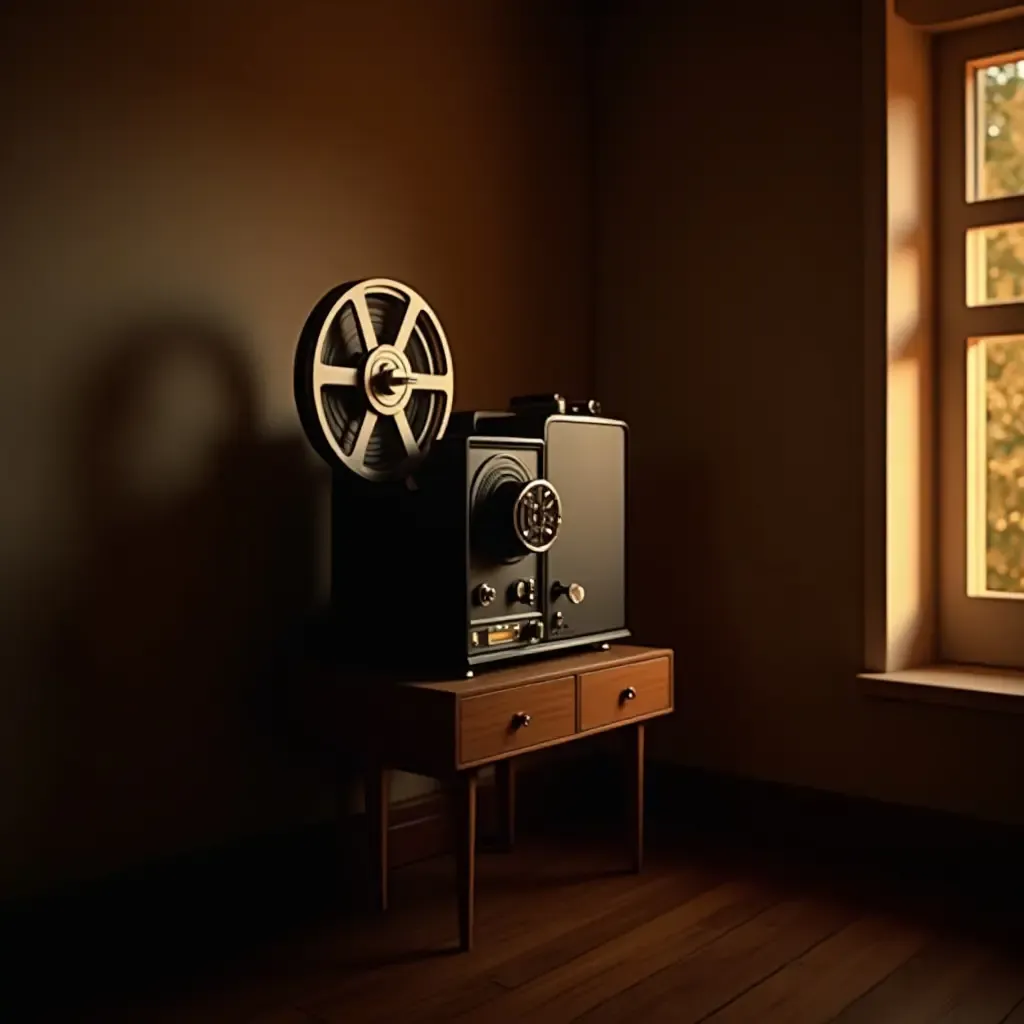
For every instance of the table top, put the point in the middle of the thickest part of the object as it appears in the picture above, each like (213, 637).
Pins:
(538, 669)
(343, 677)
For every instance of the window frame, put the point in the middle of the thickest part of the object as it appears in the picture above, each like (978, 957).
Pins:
(985, 629)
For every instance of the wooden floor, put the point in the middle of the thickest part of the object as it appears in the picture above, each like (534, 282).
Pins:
(722, 935)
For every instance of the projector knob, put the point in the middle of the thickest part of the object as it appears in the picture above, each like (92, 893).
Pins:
(533, 631)
(525, 591)
(485, 593)
(574, 591)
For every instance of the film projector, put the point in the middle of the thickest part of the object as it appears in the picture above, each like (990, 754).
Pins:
(458, 539)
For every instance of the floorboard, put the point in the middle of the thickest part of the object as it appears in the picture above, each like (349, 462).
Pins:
(818, 985)
(947, 980)
(570, 990)
(693, 987)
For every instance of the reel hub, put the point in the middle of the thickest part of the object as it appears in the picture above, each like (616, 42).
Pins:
(387, 380)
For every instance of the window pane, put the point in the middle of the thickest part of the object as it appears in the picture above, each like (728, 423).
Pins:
(1002, 448)
(1000, 121)
(995, 264)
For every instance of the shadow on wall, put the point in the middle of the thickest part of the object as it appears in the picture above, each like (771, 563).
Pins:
(193, 565)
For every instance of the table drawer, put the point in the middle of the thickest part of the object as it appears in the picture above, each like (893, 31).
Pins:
(492, 724)
(617, 694)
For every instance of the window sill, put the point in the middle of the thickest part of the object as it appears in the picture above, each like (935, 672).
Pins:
(968, 686)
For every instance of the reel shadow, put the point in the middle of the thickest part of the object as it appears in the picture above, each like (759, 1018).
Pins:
(195, 562)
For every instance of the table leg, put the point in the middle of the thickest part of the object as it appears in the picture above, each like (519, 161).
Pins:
(378, 798)
(635, 766)
(505, 780)
(465, 853)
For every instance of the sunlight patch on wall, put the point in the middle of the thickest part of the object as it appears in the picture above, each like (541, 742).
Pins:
(903, 116)
(905, 602)
(910, 629)
(903, 313)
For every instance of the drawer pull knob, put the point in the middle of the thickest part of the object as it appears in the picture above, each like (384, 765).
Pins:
(628, 694)
(520, 720)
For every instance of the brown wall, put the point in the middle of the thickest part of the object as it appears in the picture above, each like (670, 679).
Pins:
(732, 316)
(180, 182)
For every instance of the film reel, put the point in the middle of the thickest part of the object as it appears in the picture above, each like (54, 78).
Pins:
(374, 381)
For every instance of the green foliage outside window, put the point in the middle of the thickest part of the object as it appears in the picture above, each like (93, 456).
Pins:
(1003, 175)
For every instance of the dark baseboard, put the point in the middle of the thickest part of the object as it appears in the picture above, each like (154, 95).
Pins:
(423, 827)
(694, 805)
(774, 814)
(419, 828)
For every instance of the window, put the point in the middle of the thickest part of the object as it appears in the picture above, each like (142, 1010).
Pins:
(980, 290)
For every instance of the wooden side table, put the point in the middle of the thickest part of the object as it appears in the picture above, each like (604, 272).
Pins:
(450, 730)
